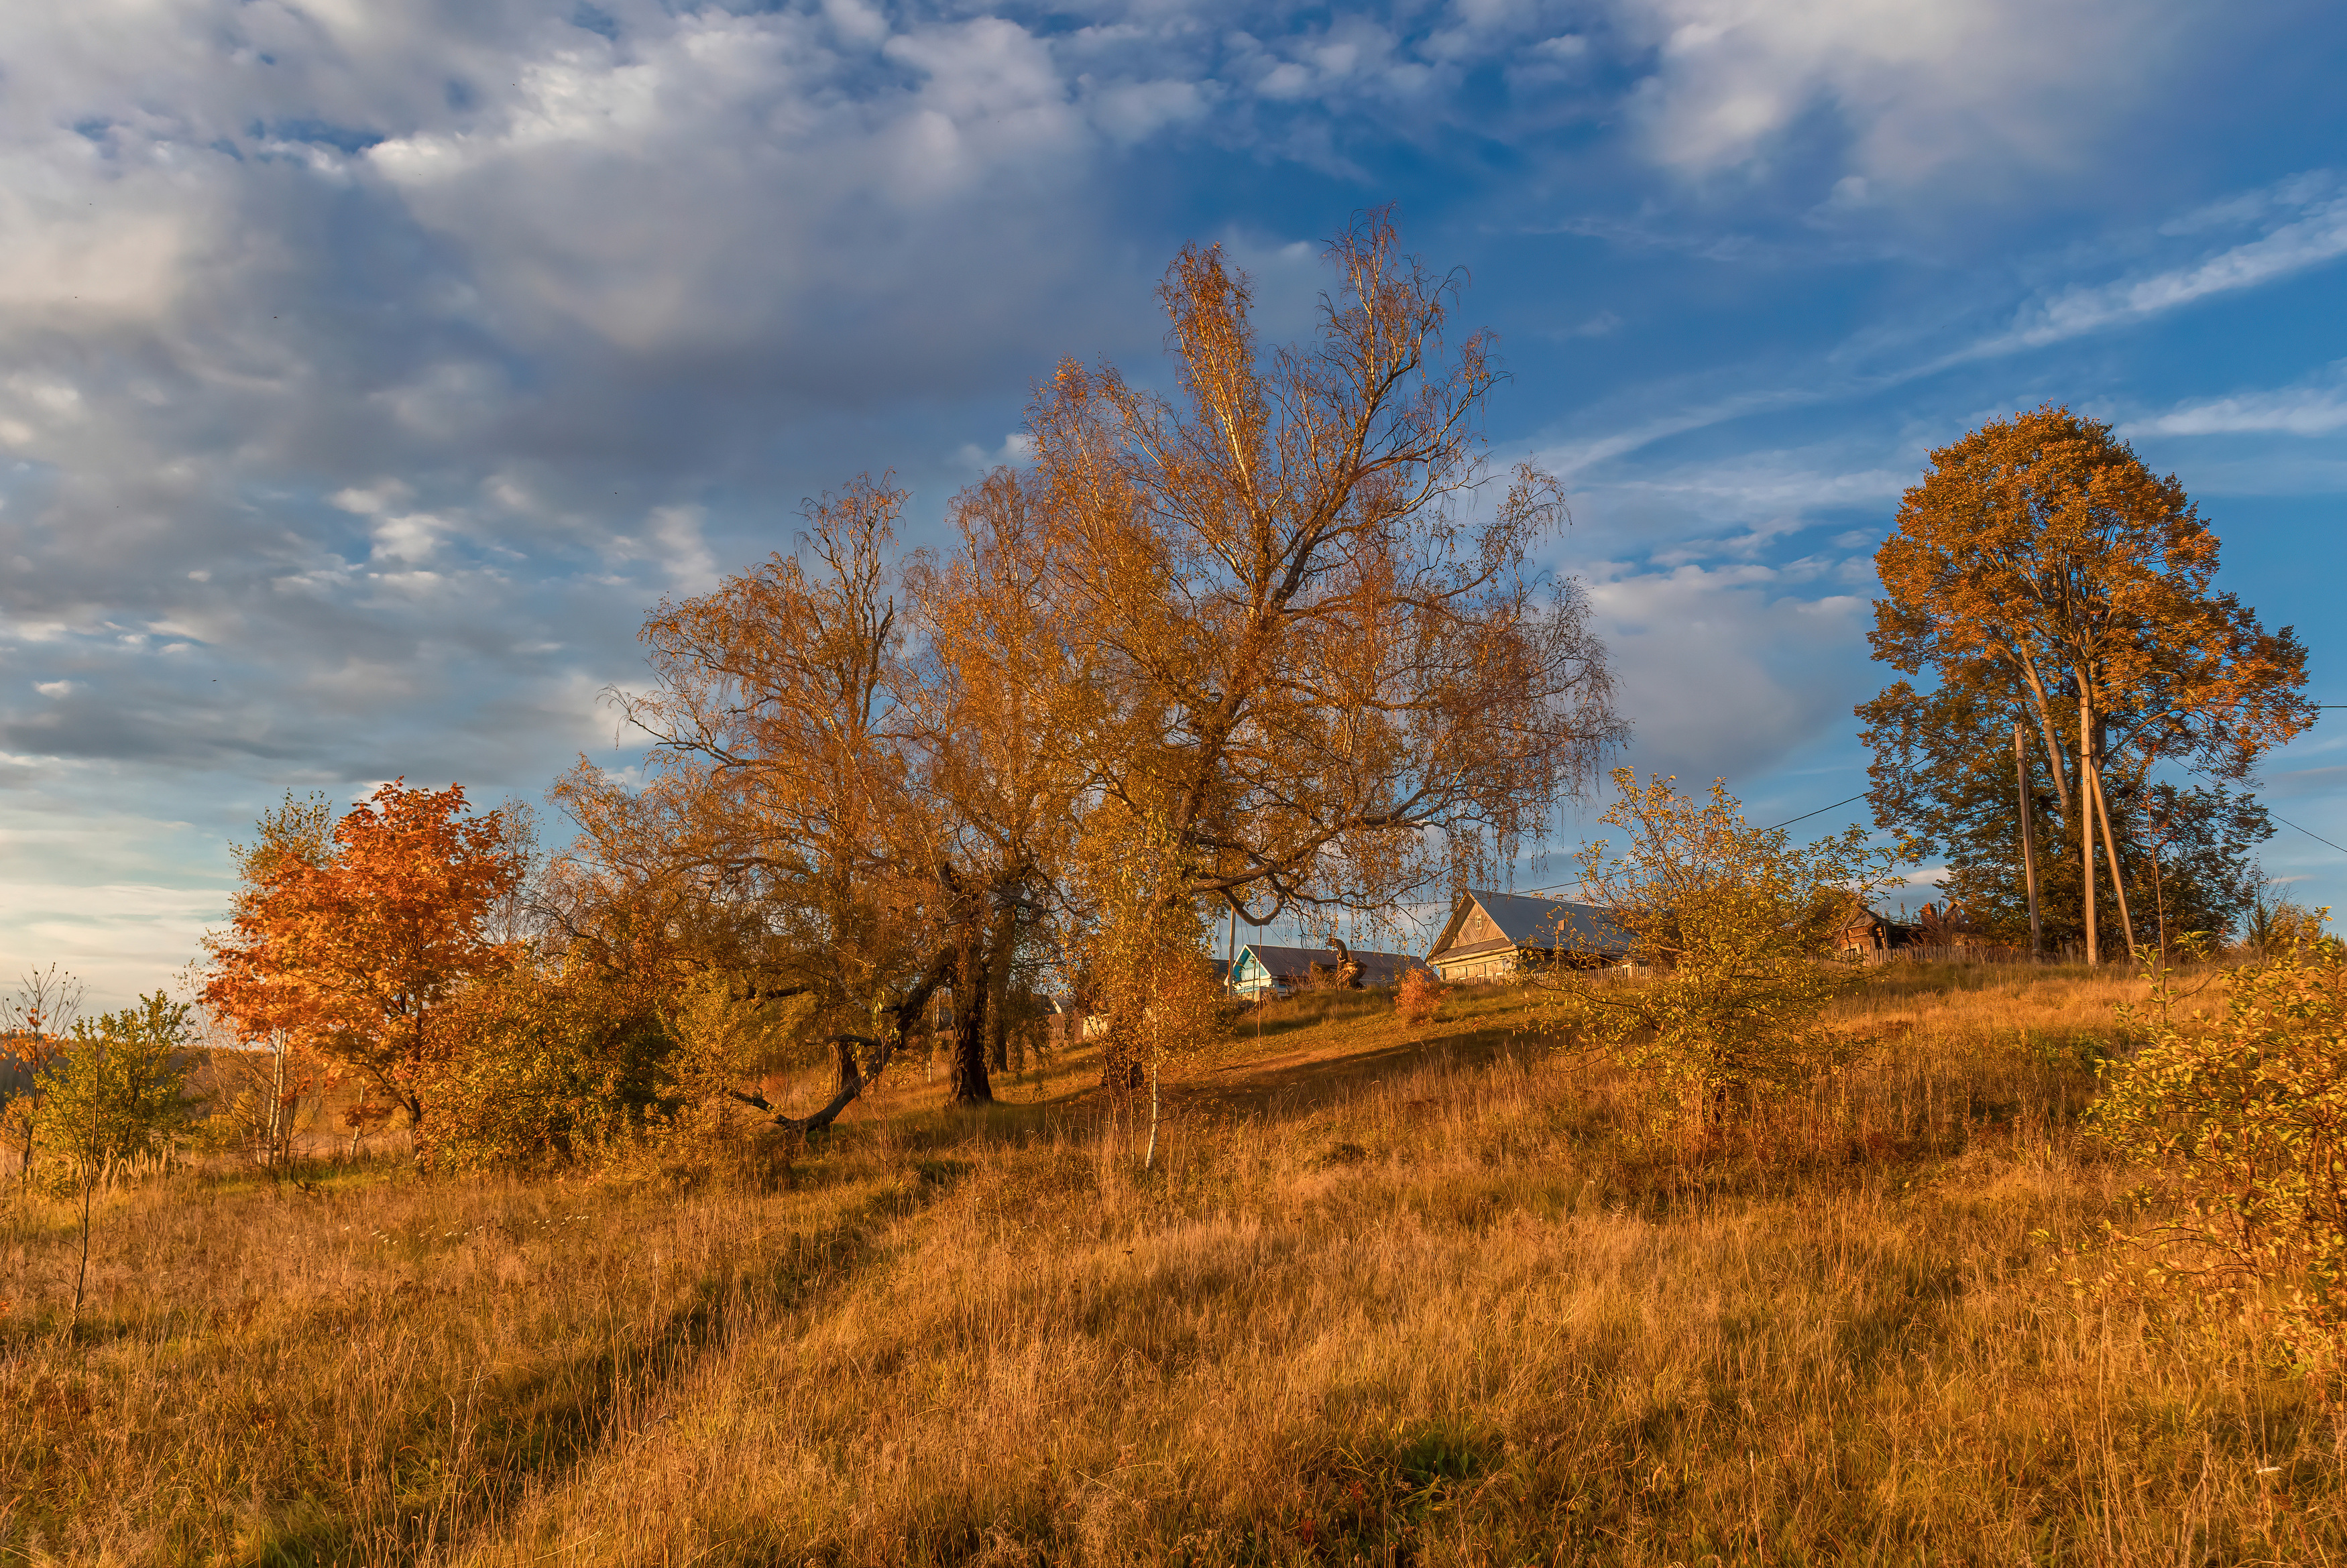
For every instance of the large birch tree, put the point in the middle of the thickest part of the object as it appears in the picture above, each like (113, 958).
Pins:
(1278, 641)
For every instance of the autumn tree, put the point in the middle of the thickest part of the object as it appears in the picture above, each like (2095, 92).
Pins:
(1283, 632)
(2043, 576)
(1325, 670)
(273, 1077)
(810, 827)
(351, 944)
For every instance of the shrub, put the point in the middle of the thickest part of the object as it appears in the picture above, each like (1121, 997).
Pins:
(1736, 927)
(2242, 1119)
(531, 1069)
(1418, 995)
(119, 1086)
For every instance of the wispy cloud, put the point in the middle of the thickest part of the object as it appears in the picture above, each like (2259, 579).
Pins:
(2315, 234)
(2315, 407)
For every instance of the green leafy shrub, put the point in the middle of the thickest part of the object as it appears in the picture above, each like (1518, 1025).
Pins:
(533, 1069)
(1733, 930)
(119, 1086)
(2242, 1119)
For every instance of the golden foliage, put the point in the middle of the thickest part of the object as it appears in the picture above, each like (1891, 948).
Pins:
(1737, 925)
(2242, 1118)
(1418, 996)
(1272, 637)
(2043, 574)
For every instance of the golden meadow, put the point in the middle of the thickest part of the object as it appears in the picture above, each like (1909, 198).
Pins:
(1445, 1294)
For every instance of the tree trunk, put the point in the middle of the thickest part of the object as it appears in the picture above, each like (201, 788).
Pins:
(2111, 852)
(1149, 1160)
(997, 991)
(1120, 1070)
(2028, 846)
(968, 1083)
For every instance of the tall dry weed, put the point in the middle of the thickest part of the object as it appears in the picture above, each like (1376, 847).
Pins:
(1429, 1296)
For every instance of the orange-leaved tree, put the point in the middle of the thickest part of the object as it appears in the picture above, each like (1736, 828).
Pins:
(2044, 576)
(351, 944)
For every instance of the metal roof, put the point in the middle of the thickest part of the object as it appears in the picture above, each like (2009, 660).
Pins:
(1296, 963)
(1546, 924)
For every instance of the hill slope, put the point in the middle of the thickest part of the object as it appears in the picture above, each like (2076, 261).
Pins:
(1442, 1295)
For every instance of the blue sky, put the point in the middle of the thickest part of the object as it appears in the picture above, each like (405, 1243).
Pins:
(367, 369)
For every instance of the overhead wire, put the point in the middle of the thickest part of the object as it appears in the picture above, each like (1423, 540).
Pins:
(2309, 833)
(1526, 893)
(1818, 812)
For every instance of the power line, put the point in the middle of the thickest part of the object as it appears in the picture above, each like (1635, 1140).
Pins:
(1787, 822)
(2309, 833)
(1818, 812)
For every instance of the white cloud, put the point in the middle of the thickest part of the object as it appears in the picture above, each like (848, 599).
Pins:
(118, 938)
(2311, 409)
(2316, 234)
(1915, 87)
(409, 538)
(1131, 112)
(1724, 668)
(671, 540)
(366, 501)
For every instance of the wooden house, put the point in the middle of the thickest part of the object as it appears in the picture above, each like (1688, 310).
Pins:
(1871, 935)
(1265, 971)
(1490, 935)
(1947, 930)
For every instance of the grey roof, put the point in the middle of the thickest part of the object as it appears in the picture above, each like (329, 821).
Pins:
(1547, 923)
(1295, 963)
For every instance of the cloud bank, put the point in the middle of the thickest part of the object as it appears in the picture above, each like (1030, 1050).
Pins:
(369, 369)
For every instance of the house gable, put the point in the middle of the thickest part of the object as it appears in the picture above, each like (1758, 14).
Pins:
(1493, 932)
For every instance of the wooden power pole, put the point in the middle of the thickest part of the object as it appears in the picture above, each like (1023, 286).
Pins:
(2087, 814)
(2028, 847)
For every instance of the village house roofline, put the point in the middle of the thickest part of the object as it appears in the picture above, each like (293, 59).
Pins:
(1522, 920)
(1295, 963)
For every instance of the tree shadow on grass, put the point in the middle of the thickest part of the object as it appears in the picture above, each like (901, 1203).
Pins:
(1254, 1088)
(459, 1469)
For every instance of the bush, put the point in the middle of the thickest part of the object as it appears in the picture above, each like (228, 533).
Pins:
(1418, 995)
(533, 1069)
(2242, 1119)
(1736, 927)
(119, 1086)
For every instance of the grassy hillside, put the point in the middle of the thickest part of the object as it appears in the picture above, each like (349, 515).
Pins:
(1411, 1296)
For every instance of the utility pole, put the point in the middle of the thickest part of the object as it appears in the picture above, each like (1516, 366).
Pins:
(2028, 847)
(2086, 813)
(1231, 958)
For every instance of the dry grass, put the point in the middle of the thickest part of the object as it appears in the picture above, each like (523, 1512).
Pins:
(1440, 1295)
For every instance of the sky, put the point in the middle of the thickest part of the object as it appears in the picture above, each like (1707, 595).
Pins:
(368, 369)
